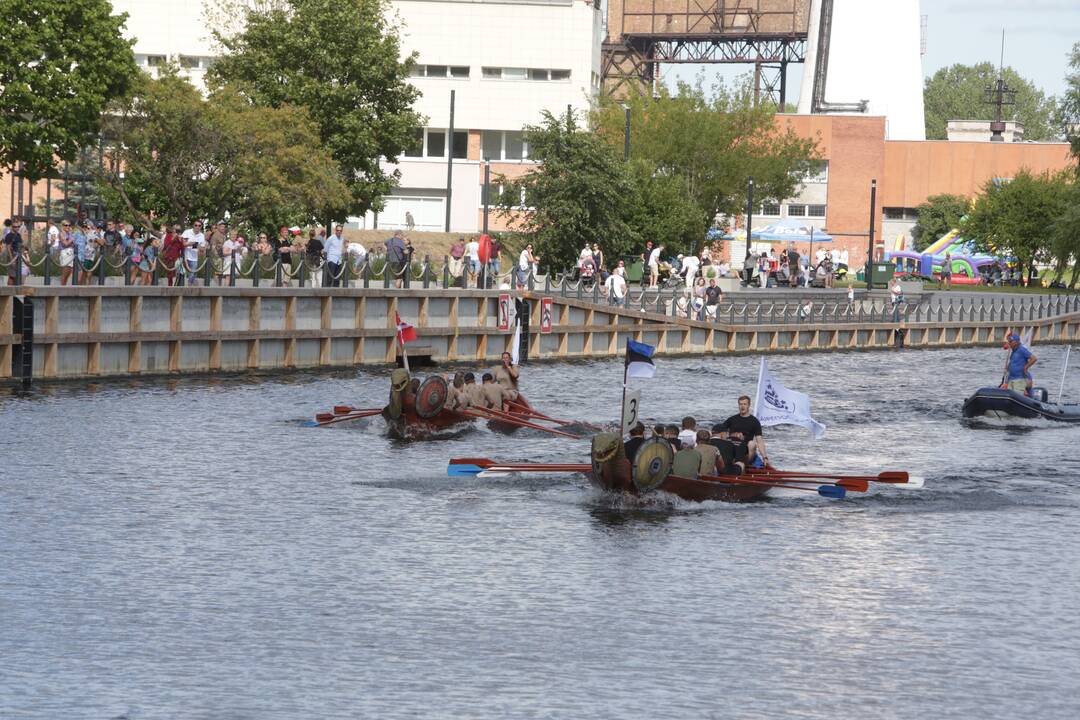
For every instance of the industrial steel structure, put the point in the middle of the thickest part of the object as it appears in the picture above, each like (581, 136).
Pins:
(644, 34)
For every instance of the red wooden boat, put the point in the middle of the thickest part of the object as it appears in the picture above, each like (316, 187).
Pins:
(516, 407)
(417, 410)
(657, 468)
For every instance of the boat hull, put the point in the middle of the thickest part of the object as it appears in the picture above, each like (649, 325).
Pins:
(615, 476)
(411, 426)
(1005, 404)
(501, 426)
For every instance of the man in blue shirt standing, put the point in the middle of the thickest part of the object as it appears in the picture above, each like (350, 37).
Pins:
(1018, 366)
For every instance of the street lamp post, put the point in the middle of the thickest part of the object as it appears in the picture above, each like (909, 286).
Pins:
(626, 134)
(870, 248)
(749, 214)
(487, 191)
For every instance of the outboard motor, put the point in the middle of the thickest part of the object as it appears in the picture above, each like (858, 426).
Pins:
(1038, 393)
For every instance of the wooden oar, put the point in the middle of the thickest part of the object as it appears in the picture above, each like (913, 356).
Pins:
(831, 491)
(476, 466)
(890, 476)
(541, 416)
(852, 484)
(330, 418)
(489, 414)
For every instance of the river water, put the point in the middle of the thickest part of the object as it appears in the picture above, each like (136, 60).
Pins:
(185, 549)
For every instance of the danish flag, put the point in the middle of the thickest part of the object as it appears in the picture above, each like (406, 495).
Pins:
(406, 332)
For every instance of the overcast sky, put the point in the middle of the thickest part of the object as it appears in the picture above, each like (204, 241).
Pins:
(1038, 37)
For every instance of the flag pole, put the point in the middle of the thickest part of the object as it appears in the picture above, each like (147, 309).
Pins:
(1064, 368)
(625, 369)
(757, 393)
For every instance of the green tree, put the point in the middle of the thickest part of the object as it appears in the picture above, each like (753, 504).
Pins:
(714, 141)
(1069, 105)
(1017, 217)
(662, 210)
(62, 62)
(580, 192)
(341, 60)
(185, 157)
(1065, 234)
(937, 216)
(958, 92)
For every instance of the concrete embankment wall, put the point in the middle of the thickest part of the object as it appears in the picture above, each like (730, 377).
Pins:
(121, 331)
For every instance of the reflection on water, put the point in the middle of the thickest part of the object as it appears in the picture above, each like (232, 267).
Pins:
(184, 548)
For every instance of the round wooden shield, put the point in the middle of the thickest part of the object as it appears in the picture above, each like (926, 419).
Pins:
(652, 464)
(431, 397)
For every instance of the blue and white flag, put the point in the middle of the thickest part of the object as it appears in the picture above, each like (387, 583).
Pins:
(776, 405)
(639, 360)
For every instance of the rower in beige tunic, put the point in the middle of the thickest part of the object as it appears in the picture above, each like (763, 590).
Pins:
(474, 392)
(506, 375)
(457, 399)
(494, 393)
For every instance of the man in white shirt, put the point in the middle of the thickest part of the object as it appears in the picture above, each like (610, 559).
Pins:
(194, 241)
(54, 236)
(334, 247)
(472, 251)
(616, 288)
(654, 265)
(690, 265)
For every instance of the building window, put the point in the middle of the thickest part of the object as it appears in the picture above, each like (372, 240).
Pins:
(189, 62)
(533, 74)
(796, 210)
(815, 211)
(417, 149)
(894, 213)
(155, 60)
(436, 144)
(770, 209)
(457, 72)
(819, 173)
(514, 145)
(504, 145)
(461, 145)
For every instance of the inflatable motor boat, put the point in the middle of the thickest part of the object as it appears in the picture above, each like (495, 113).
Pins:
(1006, 404)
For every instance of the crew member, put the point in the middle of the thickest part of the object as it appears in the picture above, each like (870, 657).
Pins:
(671, 434)
(1018, 366)
(725, 461)
(637, 436)
(688, 434)
(708, 453)
(745, 431)
(457, 399)
(494, 394)
(507, 376)
(474, 392)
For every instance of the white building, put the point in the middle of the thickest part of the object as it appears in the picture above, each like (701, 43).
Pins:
(506, 60)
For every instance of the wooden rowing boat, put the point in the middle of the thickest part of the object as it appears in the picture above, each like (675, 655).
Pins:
(657, 468)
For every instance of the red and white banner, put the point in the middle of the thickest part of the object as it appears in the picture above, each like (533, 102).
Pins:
(503, 323)
(406, 332)
(546, 311)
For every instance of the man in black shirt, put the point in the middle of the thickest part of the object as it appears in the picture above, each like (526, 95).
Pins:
(637, 436)
(793, 267)
(712, 293)
(726, 450)
(13, 243)
(745, 431)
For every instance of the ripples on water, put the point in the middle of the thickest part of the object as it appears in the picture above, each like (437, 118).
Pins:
(186, 549)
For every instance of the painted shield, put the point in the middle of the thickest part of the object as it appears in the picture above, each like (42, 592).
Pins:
(652, 464)
(431, 397)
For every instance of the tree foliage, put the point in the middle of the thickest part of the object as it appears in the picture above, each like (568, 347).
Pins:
(714, 141)
(62, 62)
(1069, 105)
(958, 92)
(184, 157)
(580, 192)
(1016, 218)
(341, 60)
(937, 216)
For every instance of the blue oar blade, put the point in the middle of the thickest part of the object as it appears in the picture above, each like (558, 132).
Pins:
(311, 423)
(833, 491)
(463, 470)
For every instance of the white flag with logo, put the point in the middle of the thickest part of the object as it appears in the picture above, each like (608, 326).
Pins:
(776, 405)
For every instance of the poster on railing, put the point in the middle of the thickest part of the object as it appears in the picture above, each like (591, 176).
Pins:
(504, 312)
(546, 310)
